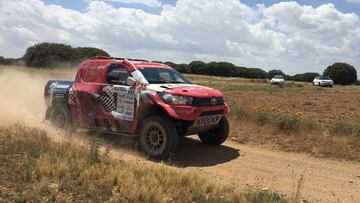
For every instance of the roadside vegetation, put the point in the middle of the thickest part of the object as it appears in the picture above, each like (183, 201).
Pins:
(292, 118)
(36, 169)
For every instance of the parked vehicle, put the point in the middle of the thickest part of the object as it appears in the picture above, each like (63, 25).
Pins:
(277, 80)
(151, 101)
(323, 81)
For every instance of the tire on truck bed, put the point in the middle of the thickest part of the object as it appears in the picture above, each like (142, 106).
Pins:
(216, 136)
(158, 137)
(60, 117)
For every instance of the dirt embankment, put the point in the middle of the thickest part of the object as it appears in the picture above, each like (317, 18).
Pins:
(237, 165)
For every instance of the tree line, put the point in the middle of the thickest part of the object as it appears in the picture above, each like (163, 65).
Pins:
(52, 55)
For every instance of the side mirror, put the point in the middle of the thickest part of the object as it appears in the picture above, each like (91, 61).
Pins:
(130, 81)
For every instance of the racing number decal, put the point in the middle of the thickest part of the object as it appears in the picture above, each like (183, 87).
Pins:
(125, 105)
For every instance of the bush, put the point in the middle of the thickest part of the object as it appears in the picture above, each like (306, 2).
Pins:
(49, 55)
(197, 67)
(10, 61)
(341, 73)
(287, 122)
(55, 55)
(344, 128)
(262, 117)
(240, 112)
(271, 73)
(304, 77)
(87, 52)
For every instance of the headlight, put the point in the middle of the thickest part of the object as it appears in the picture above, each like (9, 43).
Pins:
(175, 99)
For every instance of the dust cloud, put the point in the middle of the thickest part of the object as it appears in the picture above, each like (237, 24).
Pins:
(22, 92)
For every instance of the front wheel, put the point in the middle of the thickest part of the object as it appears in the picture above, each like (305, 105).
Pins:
(60, 117)
(218, 135)
(158, 137)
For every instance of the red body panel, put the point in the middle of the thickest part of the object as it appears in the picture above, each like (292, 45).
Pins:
(195, 91)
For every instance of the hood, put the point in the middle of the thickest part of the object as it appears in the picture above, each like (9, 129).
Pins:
(186, 90)
(327, 80)
(277, 79)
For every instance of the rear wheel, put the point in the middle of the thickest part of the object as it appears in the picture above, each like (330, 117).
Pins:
(60, 117)
(218, 135)
(158, 137)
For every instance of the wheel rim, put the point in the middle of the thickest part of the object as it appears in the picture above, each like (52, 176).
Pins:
(60, 119)
(155, 139)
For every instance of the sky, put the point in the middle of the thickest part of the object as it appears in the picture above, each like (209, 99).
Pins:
(294, 36)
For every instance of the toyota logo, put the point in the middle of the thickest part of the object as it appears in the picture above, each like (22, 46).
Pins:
(213, 101)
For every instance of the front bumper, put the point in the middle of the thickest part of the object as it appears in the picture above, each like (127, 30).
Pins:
(277, 82)
(326, 84)
(190, 113)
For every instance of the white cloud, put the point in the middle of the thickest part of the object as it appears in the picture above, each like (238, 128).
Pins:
(285, 35)
(149, 3)
(353, 1)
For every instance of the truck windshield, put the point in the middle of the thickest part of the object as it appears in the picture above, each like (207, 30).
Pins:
(161, 75)
(323, 77)
(278, 77)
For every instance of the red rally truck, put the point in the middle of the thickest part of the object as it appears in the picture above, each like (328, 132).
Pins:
(151, 101)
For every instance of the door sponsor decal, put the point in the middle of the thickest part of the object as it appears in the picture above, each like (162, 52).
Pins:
(125, 105)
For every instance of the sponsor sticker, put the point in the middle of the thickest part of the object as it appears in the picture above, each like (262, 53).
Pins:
(125, 105)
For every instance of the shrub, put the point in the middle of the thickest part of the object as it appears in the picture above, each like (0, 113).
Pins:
(262, 117)
(287, 122)
(240, 112)
(87, 52)
(344, 128)
(304, 77)
(49, 55)
(197, 67)
(93, 156)
(55, 55)
(341, 73)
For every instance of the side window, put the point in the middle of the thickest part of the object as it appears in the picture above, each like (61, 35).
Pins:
(117, 74)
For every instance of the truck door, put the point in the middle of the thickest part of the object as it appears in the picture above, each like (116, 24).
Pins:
(121, 102)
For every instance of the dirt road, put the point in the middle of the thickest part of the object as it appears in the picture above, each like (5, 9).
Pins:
(233, 164)
(246, 165)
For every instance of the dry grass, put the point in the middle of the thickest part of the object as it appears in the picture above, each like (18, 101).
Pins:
(292, 118)
(315, 142)
(34, 168)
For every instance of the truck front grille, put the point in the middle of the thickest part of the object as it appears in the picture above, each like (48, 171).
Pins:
(201, 102)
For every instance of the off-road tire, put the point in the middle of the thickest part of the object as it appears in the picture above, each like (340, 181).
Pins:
(60, 117)
(158, 137)
(218, 135)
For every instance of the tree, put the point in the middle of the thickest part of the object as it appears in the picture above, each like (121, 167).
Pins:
(305, 77)
(220, 69)
(341, 73)
(273, 72)
(49, 55)
(197, 67)
(87, 52)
